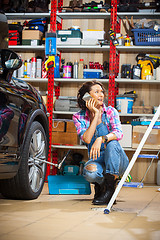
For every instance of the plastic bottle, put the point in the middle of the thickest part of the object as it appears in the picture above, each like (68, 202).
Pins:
(25, 69)
(75, 69)
(80, 69)
(33, 67)
(158, 173)
(158, 73)
(127, 41)
(28, 68)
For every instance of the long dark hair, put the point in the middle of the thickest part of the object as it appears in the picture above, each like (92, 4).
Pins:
(86, 87)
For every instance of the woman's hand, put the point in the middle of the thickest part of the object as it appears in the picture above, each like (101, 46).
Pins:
(95, 149)
(92, 105)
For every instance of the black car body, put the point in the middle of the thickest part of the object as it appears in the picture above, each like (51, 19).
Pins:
(24, 132)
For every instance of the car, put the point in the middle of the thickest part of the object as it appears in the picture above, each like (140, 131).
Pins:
(24, 129)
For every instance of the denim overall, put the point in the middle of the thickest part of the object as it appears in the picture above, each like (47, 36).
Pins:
(112, 158)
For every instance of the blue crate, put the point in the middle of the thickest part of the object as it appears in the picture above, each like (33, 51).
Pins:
(59, 184)
(146, 37)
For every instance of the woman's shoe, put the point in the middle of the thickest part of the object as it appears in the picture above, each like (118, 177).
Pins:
(110, 183)
(98, 188)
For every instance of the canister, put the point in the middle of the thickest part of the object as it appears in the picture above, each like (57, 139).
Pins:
(67, 71)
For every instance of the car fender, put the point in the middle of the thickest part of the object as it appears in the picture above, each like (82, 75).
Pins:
(40, 116)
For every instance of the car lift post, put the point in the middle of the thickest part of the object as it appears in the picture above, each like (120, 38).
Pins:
(139, 148)
(50, 50)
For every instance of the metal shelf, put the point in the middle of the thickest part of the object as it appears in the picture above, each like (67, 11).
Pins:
(118, 80)
(63, 113)
(75, 80)
(146, 49)
(38, 80)
(82, 48)
(143, 150)
(83, 147)
(84, 15)
(135, 115)
(139, 15)
(27, 48)
(11, 16)
(136, 81)
(65, 48)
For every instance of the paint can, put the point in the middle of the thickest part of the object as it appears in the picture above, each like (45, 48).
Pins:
(67, 71)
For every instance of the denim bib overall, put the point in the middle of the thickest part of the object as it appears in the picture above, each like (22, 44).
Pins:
(112, 158)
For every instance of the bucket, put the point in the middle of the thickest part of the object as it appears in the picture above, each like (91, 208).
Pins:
(124, 104)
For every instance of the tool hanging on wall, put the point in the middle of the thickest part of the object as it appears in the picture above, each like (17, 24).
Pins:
(112, 37)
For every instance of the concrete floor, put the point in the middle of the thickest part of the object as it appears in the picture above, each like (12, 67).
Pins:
(65, 217)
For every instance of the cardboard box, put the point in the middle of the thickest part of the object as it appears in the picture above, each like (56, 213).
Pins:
(70, 127)
(32, 34)
(65, 138)
(58, 125)
(127, 136)
(142, 109)
(153, 140)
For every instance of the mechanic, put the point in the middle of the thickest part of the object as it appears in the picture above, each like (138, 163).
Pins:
(100, 129)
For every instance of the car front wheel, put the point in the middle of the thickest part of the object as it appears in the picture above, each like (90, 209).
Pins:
(29, 181)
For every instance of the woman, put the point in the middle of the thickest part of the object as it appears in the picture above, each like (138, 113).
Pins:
(99, 127)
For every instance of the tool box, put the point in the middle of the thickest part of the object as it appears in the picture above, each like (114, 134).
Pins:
(14, 38)
(92, 73)
(15, 33)
(68, 184)
(69, 37)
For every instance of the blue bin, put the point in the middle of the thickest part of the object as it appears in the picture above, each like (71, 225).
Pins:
(59, 184)
(146, 37)
(87, 74)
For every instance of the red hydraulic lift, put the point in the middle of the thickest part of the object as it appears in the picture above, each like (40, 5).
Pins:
(51, 82)
(113, 60)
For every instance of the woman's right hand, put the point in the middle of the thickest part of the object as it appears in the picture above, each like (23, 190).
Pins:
(92, 105)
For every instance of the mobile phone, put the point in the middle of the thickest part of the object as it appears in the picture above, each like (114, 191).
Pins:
(86, 97)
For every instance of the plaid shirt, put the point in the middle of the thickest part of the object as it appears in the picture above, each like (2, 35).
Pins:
(82, 121)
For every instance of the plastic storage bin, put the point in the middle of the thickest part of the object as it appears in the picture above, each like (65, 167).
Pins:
(146, 37)
(59, 184)
(92, 73)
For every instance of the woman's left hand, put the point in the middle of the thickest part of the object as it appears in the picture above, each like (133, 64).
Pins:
(95, 149)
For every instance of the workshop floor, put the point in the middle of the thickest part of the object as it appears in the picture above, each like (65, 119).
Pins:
(72, 217)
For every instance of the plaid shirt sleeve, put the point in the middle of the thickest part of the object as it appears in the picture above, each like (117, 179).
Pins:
(114, 122)
(80, 123)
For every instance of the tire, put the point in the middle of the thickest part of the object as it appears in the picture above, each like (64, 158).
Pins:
(29, 181)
